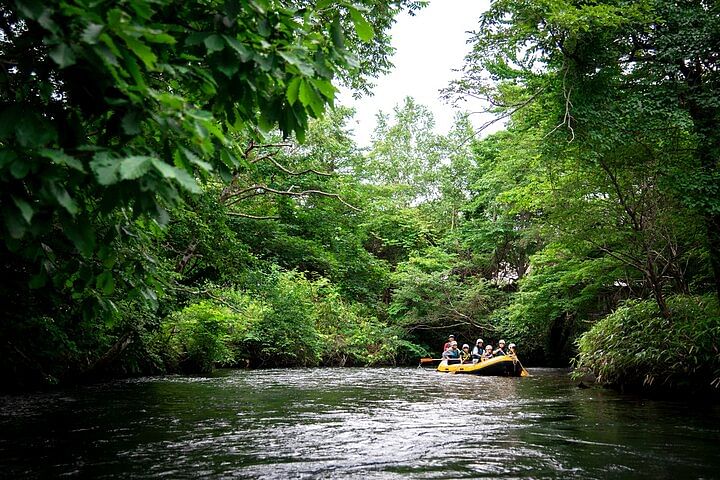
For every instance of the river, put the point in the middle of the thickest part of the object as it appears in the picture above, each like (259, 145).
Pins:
(354, 423)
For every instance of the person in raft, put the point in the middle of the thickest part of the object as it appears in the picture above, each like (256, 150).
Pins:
(451, 338)
(488, 353)
(501, 349)
(477, 350)
(452, 353)
(465, 354)
(512, 349)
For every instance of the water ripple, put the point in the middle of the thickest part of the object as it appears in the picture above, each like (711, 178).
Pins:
(353, 423)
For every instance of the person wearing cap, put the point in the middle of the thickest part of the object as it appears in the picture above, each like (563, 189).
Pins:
(452, 353)
(501, 349)
(451, 338)
(488, 353)
(465, 355)
(477, 350)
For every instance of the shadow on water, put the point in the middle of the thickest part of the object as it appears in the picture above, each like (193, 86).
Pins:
(355, 423)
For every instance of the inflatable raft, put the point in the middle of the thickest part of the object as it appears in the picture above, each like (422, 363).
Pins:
(502, 366)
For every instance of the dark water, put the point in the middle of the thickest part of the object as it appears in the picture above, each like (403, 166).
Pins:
(355, 423)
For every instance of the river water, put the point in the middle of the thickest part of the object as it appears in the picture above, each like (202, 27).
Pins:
(355, 423)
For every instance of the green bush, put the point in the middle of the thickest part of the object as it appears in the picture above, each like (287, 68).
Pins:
(198, 337)
(636, 348)
(287, 321)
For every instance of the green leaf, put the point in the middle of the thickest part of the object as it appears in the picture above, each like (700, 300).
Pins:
(195, 160)
(91, 34)
(293, 90)
(105, 282)
(142, 51)
(214, 43)
(156, 36)
(105, 168)
(25, 209)
(14, 223)
(61, 158)
(63, 198)
(131, 123)
(244, 53)
(309, 97)
(325, 87)
(62, 55)
(134, 167)
(324, 4)
(181, 176)
(362, 27)
(260, 6)
(291, 58)
(336, 34)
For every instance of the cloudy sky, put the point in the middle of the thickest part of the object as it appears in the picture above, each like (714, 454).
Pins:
(429, 46)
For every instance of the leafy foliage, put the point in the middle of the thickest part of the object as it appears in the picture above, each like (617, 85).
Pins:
(636, 347)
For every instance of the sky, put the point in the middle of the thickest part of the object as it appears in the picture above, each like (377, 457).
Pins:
(429, 46)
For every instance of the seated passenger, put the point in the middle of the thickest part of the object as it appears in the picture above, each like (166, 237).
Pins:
(477, 350)
(512, 349)
(488, 353)
(465, 355)
(501, 349)
(452, 353)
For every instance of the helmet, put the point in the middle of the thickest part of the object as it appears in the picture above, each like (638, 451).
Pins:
(501, 341)
(479, 340)
(512, 345)
(451, 336)
(465, 345)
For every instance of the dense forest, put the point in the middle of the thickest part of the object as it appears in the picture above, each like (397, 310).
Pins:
(181, 190)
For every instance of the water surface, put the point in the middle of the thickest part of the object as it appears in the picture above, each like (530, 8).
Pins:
(355, 423)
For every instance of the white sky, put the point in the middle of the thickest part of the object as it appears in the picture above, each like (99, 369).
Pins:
(429, 46)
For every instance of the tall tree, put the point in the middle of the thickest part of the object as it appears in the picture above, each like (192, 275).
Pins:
(658, 57)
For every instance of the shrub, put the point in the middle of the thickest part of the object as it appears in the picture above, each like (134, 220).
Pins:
(198, 337)
(636, 348)
(286, 320)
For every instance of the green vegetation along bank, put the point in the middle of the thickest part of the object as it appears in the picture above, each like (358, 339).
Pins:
(179, 191)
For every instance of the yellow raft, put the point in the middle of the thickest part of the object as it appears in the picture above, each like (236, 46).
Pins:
(503, 366)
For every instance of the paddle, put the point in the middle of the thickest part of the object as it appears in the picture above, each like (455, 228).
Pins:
(433, 361)
(523, 372)
(430, 360)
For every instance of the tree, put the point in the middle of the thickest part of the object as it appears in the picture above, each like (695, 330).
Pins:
(112, 114)
(658, 57)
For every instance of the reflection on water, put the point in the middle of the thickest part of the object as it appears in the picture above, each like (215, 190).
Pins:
(354, 423)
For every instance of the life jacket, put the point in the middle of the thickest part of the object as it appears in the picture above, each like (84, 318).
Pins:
(499, 352)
